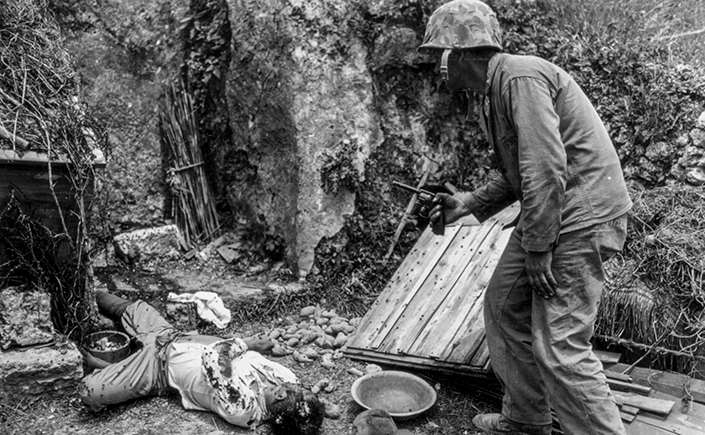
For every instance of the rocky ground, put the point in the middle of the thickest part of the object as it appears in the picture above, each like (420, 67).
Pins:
(307, 340)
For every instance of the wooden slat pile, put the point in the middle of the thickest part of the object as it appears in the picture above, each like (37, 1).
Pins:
(430, 313)
(654, 402)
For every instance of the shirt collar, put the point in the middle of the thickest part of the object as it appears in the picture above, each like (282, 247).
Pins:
(492, 66)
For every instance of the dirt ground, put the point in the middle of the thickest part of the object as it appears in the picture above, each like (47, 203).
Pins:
(457, 401)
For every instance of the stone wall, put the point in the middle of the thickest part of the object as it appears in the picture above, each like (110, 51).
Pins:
(311, 89)
(691, 166)
(125, 51)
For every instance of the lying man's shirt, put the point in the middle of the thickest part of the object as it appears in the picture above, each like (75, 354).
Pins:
(235, 393)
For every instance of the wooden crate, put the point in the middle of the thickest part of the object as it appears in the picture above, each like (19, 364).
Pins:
(429, 316)
(26, 178)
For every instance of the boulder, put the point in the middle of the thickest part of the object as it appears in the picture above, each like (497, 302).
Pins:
(147, 244)
(40, 370)
(26, 317)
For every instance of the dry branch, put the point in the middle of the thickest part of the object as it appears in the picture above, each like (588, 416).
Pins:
(194, 207)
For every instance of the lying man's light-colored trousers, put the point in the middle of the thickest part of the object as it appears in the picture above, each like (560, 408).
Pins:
(540, 348)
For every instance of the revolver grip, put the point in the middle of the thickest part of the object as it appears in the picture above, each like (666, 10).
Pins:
(439, 226)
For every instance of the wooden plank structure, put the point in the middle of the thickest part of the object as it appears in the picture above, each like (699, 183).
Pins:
(429, 316)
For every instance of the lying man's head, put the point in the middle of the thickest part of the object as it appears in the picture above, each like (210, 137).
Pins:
(293, 411)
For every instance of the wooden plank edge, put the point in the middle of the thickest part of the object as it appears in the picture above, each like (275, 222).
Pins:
(416, 362)
(626, 386)
(650, 404)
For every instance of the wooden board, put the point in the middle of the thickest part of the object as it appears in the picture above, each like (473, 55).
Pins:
(429, 315)
(649, 404)
(675, 384)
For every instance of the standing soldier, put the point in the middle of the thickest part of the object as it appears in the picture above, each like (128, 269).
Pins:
(559, 162)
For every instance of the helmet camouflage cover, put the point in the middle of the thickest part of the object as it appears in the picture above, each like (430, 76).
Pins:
(462, 24)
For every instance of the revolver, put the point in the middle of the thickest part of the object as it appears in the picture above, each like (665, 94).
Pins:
(425, 198)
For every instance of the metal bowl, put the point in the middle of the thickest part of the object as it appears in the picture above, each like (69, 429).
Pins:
(401, 394)
(119, 339)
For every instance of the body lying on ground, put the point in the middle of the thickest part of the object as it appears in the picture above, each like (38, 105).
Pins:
(224, 376)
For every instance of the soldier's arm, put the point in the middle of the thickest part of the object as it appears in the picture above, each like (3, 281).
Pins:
(542, 160)
(489, 199)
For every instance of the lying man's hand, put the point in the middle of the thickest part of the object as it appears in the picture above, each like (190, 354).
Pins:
(257, 344)
(538, 270)
(453, 207)
(93, 361)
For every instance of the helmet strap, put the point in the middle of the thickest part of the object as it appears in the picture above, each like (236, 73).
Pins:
(444, 63)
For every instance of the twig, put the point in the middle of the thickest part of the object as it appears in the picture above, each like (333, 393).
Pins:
(679, 35)
(407, 212)
(653, 345)
(657, 349)
(13, 138)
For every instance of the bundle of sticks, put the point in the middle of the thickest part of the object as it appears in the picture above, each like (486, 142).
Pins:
(193, 208)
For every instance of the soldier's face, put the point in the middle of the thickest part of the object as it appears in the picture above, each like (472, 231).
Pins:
(466, 71)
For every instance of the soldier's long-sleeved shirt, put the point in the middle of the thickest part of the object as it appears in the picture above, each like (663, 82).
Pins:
(558, 159)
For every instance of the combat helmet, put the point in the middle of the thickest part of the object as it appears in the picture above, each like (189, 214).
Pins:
(461, 24)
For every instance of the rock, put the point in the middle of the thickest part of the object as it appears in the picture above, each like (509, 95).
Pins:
(330, 388)
(309, 337)
(697, 137)
(372, 368)
(700, 123)
(660, 152)
(292, 342)
(308, 311)
(332, 411)
(326, 95)
(309, 352)
(337, 354)
(276, 333)
(327, 361)
(374, 422)
(300, 358)
(38, 371)
(340, 340)
(25, 317)
(355, 372)
(279, 350)
(395, 46)
(122, 286)
(338, 327)
(695, 176)
(321, 321)
(329, 314)
(230, 253)
(328, 330)
(147, 244)
(320, 385)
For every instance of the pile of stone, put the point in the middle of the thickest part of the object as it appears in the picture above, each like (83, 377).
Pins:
(33, 359)
(316, 334)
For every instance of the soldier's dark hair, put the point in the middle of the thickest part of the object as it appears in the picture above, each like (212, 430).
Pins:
(300, 413)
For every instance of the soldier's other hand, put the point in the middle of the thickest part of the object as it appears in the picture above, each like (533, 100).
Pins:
(538, 270)
(453, 207)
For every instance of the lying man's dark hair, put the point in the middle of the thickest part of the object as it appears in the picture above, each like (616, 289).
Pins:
(300, 413)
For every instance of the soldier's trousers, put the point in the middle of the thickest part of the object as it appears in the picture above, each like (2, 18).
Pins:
(540, 348)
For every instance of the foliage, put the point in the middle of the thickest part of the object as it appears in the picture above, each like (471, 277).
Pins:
(206, 36)
(38, 103)
(657, 294)
(642, 98)
(338, 169)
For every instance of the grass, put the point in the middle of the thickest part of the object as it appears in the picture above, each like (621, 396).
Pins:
(678, 25)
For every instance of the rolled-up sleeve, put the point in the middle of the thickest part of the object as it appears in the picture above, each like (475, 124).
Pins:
(542, 161)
